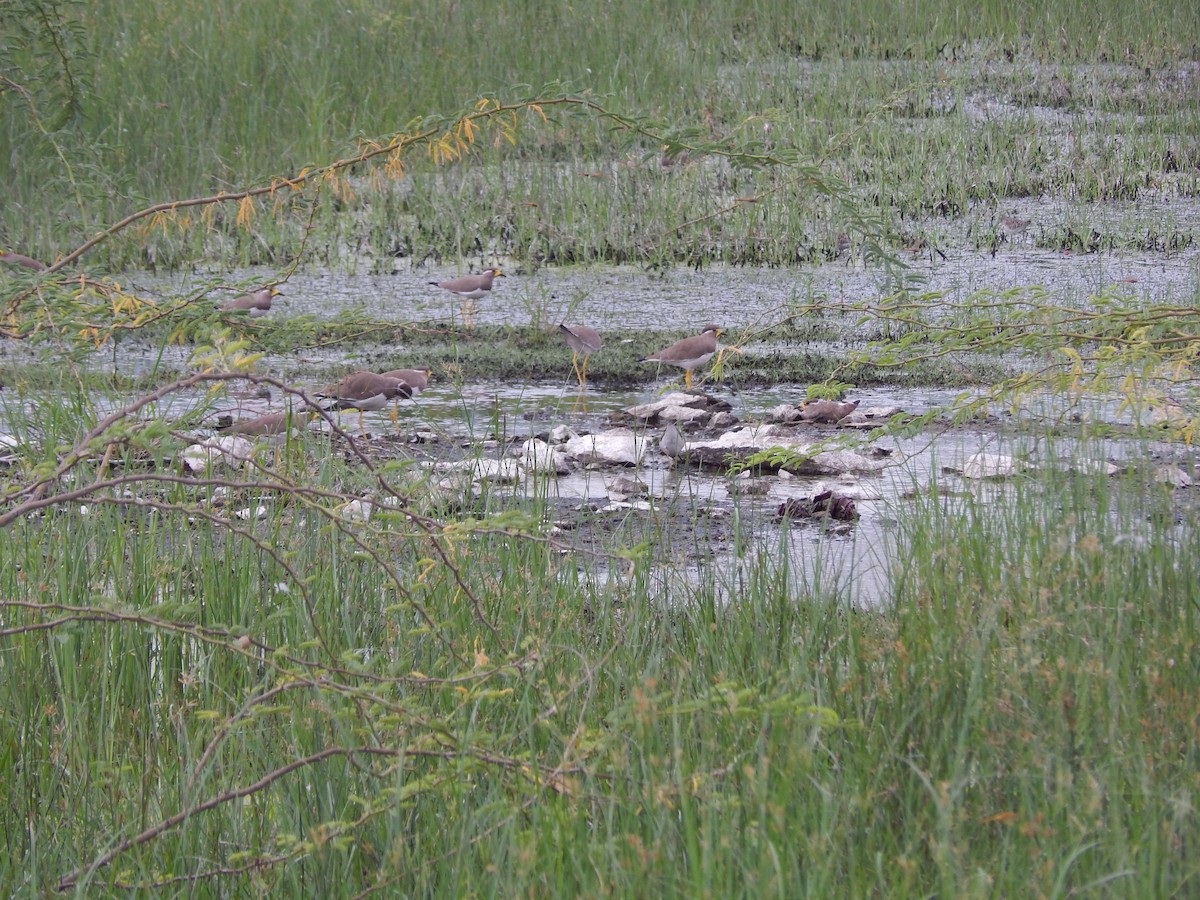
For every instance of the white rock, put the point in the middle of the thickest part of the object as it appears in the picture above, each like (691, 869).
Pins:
(618, 447)
(230, 449)
(683, 414)
(560, 434)
(501, 471)
(837, 462)
(1093, 466)
(871, 417)
(675, 399)
(538, 456)
(1174, 476)
(258, 512)
(356, 510)
(235, 450)
(1168, 415)
(784, 413)
(750, 439)
(989, 465)
(852, 489)
(615, 506)
(451, 486)
(199, 457)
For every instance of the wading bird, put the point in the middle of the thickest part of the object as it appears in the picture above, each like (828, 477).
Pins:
(690, 353)
(583, 341)
(364, 391)
(470, 288)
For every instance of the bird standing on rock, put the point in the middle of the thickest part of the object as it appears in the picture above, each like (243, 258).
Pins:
(470, 288)
(257, 303)
(827, 412)
(690, 353)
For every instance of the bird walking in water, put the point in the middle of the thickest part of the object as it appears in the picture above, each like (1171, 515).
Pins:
(690, 353)
(583, 341)
(470, 288)
(416, 379)
(257, 303)
(364, 391)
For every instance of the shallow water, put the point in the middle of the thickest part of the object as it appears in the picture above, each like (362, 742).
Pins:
(711, 529)
(855, 562)
(691, 514)
(739, 298)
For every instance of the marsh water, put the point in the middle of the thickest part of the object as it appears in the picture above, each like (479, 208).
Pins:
(743, 297)
(712, 524)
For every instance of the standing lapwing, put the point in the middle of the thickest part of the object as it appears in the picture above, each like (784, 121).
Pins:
(690, 353)
(470, 288)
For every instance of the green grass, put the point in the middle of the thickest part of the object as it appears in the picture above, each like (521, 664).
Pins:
(477, 712)
(922, 110)
(452, 699)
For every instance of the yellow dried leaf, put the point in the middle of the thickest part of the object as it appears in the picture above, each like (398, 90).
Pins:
(245, 212)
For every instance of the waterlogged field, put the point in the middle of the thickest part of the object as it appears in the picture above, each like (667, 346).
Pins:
(365, 659)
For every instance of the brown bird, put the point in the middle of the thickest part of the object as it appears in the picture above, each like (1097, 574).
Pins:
(417, 379)
(257, 303)
(827, 412)
(261, 426)
(20, 259)
(470, 288)
(364, 391)
(273, 428)
(690, 353)
(581, 340)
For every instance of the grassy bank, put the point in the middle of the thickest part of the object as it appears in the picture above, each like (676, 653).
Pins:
(238, 682)
(923, 110)
(195, 701)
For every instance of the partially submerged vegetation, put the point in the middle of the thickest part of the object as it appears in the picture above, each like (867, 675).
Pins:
(329, 670)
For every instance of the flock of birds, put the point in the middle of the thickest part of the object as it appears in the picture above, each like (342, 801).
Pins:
(369, 391)
(689, 354)
(366, 391)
